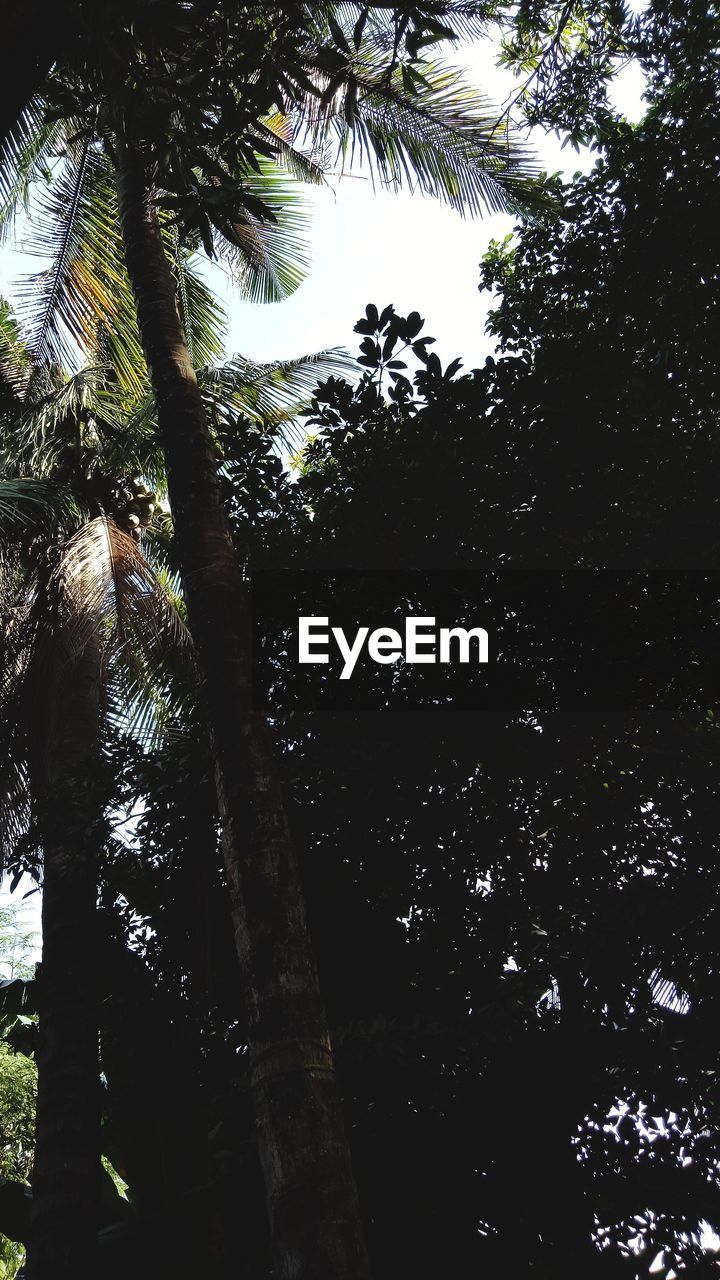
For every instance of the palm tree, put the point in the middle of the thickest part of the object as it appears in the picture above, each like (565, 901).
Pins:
(84, 622)
(77, 601)
(418, 124)
(310, 1193)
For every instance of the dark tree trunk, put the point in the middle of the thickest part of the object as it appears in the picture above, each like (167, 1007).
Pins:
(66, 1175)
(155, 1127)
(310, 1191)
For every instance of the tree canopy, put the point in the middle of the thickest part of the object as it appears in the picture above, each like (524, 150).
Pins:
(513, 907)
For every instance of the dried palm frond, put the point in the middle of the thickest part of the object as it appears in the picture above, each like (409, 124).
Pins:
(102, 582)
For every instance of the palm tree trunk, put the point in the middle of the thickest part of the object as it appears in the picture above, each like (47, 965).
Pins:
(310, 1191)
(66, 1175)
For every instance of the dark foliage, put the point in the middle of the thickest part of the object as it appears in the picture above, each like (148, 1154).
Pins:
(515, 915)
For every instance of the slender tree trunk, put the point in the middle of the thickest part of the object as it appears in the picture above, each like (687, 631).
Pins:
(310, 1192)
(155, 1121)
(66, 1175)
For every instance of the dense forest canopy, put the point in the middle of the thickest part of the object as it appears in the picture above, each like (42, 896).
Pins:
(513, 911)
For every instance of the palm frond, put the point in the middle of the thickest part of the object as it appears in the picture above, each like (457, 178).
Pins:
(305, 166)
(274, 393)
(433, 133)
(17, 629)
(31, 502)
(149, 697)
(81, 305)
(144, 703)
(62, 415)
(268, 260)
(158, 548)
(134, 449)
(55, 321)
(463, 19)
(203, 315)
(26, 154)
(15, 363)
(126, 418)
(104, 582)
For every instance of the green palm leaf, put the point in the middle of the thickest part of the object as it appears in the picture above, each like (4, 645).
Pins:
(267, 259)
(463, 19)
(81, 303)
(202, 313)
(427, 130)
(15, 363)
(61, 413)
(274, 393)
(30, 502)
(26, 154)
(311, 166)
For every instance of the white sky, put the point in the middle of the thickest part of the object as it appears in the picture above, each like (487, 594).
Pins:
(374, 246)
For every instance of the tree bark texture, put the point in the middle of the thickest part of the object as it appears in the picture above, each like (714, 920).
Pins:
(66, 1174)
(310, 1192)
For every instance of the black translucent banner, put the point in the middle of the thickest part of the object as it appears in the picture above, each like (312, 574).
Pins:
(554, 641)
